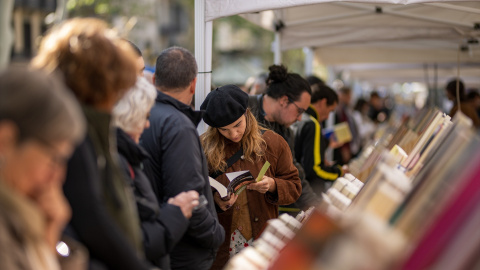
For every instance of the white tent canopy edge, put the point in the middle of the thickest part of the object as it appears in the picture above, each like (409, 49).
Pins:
(208, 10)
(215, 9)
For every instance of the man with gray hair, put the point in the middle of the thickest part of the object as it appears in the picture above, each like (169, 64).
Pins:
(177, 162)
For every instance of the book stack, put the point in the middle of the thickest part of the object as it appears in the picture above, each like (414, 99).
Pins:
(272, 240)
(415, 206)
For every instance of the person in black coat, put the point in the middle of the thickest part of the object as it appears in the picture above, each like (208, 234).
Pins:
(164, 225)
(177, 162)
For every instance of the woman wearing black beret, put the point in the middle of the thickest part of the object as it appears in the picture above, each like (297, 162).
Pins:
(232, 127)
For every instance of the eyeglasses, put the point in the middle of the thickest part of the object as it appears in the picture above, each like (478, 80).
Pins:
(55, 157)
(299, 110)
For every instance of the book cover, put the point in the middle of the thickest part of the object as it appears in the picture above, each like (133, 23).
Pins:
(342, 132)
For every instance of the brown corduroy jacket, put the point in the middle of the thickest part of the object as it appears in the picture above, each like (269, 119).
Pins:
(262, 207)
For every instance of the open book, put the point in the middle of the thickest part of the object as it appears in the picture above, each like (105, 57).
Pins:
(238, 182)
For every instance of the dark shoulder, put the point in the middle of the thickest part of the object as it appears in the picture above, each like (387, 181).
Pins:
(168, 116)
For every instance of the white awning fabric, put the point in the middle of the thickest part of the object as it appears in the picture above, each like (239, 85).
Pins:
(400, 36)
(215, 9)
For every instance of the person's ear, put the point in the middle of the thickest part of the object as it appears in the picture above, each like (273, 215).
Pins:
(283, 101)
(324, 102)
(153, 79)
(193, 85)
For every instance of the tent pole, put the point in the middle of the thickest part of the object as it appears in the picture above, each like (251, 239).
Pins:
(6, 41)
(308, 60)
(203, 55)
(277, 51)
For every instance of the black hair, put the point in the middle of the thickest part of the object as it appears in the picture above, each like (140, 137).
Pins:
(472, 94)
(345, 90)
(135, 48)
(452, 88)
(323, 91)
(359, 105)
(176, 68)
(312, 79)
(281, 83)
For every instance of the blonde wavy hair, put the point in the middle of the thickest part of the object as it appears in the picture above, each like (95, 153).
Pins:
(213, 143)
(94, 62)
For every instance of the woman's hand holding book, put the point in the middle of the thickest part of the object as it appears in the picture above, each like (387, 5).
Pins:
(225, 205)
(264, 185)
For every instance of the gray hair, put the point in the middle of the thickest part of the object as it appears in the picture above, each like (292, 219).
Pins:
(175, 69)
(130, 112)
(40, 106)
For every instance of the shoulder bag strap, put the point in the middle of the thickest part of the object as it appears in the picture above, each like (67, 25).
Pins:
(230, 162)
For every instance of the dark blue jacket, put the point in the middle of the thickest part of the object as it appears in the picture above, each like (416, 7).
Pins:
(178, 164)
(162, 226)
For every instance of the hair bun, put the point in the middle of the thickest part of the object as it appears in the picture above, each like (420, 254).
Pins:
(278, 73)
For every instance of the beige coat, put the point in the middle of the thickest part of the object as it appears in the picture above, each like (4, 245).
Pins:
(22, 243)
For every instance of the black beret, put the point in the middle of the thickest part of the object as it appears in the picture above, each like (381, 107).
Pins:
(224, 106)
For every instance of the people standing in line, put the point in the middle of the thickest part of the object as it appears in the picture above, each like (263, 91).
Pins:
(233, 128)
(474, 98)
(366, 127)
(40, 124)
(467, 108)
(99, 68)
(343, 113)
(162, 226)
(177, 162)
(311, 144)
(378, 113)
(286, 98)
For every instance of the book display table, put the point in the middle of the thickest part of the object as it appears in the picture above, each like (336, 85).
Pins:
(411, 201)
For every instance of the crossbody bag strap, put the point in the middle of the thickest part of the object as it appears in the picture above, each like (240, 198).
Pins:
(230, 162)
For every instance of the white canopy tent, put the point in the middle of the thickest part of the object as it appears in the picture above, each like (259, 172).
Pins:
(397, 38)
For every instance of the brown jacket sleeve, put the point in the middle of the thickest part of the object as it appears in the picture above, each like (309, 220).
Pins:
(286, 177)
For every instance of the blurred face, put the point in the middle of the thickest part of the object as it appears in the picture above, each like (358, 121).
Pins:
(345, 98)
(234, 132)
(32, 166)
(376, 102)
(323, 109)
(449, 95)
(140, 66)
(291, 111)
(135, 135)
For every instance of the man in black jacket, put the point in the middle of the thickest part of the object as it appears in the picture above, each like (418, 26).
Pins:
(286, 98)
(310, 144)
(177, 161)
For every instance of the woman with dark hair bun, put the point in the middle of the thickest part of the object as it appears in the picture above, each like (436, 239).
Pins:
(282, 83)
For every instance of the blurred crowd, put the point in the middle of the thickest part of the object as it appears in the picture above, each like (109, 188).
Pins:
(102, 167)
